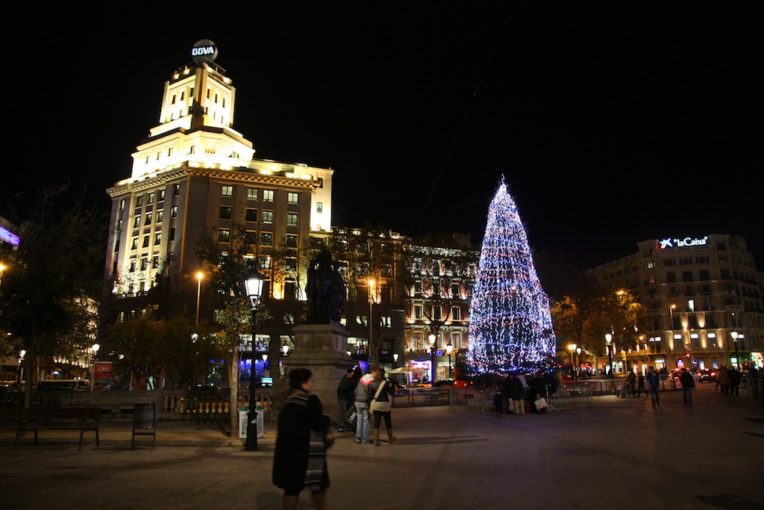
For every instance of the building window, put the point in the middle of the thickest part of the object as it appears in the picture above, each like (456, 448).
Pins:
(251, 193)
(264, 262)
(268, 195)
(417, 288)
(418, 311)
(160, 195)
(139, 201)
(172, 234)
(721, 247)
(456, 313)
(158, 238)
(685, 261)
(226, 191)
(224, 235)
(686, 276)
(119, 225)
(122, 204)
(704, 275)
(147, 222)
(251, 215)
(174, 212)
(144, 264)
(250, 237)
(176, 189)
(266, 239)
(669, 262)
(319, 207)
(267, 216)
(292, 219)
(290, 241)
(455, 290)
(133, 263)
(134, 244)
(670, 277)
(192, 149)
(136, 222)
(292, 198)
(146, 241)
(225, 213)
(173, 99)
(290, 264)
(151, 198)
(160, 216)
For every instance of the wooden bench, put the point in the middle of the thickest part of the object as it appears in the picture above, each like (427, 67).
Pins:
(82, 418)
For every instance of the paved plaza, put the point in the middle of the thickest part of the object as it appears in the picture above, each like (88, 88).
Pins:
(618, 453)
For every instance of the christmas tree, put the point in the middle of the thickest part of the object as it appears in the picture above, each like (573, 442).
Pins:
(510, 325)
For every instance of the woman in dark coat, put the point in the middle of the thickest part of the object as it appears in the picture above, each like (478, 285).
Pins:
(300, 458)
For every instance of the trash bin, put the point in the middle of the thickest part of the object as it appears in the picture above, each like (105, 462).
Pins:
(243, 414)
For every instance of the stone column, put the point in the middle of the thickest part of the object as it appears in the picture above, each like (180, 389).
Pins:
(322, 349)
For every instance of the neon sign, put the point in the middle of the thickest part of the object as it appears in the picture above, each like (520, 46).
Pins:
(681, 243)
(204, 50)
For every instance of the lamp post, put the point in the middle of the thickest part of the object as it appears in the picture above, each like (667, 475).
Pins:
(449, 351)
(671, 314)
(92, 365)
(735, 335)
(572, 349)
(253, 285)
(608, 339)
(20, 376)
(199, 277)
(432, 337)
(372, 295)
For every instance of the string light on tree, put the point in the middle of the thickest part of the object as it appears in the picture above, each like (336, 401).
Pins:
(510, 324)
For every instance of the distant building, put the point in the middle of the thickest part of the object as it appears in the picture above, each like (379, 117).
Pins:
(438, 288)
(703, 297)
(195, 173)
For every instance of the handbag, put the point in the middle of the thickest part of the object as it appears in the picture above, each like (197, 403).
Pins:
(376, 405)
(540, 403)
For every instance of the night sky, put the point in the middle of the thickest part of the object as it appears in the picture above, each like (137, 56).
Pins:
(612, 124)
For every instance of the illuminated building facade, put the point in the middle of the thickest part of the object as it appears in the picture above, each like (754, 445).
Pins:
(703, 298)
(196, 174)
(438, 285)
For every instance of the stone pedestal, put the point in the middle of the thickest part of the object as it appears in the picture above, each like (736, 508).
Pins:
(322, 349)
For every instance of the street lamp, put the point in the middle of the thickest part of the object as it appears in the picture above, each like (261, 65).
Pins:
(253, 285)
(449, 351)
(608, 339)
(199, 277)
(395, 360)
(735, 335)
(3, 267)
(578, 359)
(372, 296)
(572, 349)
(671, 314)
(285, 349)
(92, 371)
(431, 337)
(22, 353)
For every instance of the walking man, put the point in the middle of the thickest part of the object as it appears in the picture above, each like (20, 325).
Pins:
(688, 384)
(654, 384)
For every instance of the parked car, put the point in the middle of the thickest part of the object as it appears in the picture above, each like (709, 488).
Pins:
(708, 375)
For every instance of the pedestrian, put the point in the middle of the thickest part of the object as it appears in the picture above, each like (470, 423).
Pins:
(362, 399)
(299, 461)
(380, 404)
(517, 394)
(345, 392)
(641, 384)
(654, 384)
(688, 384)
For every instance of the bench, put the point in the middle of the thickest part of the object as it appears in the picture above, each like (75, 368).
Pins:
(82, 418)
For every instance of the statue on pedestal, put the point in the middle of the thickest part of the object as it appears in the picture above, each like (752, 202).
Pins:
(325, 290)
